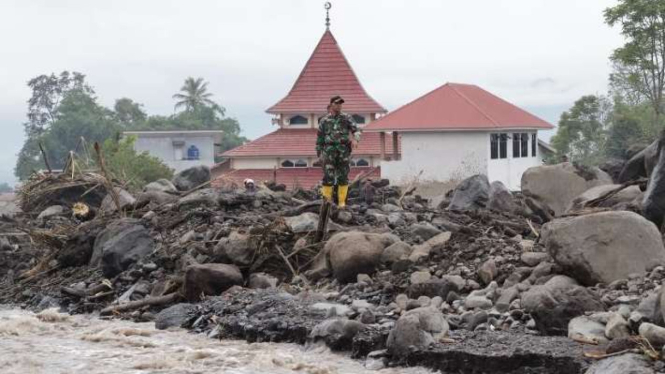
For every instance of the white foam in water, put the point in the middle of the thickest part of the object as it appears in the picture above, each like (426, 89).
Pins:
(56, 343)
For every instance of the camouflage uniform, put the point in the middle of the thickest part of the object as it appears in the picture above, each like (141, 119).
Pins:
(333, 146)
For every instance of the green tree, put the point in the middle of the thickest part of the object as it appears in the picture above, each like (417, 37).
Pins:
(129, 113)
(640, 63)
(582, 130)
(194, 95)
(136, 169)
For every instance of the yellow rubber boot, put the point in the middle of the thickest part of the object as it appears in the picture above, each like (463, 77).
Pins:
(327, 192)
(341, 195)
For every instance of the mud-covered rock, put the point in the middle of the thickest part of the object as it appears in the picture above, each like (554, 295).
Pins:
(237, 249)
(472, 193)
(625, 196)
(124, 199)
(121, 244)
(161, 185)
(416, 330)
(630, 363)
(191, 178)
(500, 198)
(585, 329)
(262, 280)
(556, 302)
(558, 185)
(174, 316)
(603, 247)
(337, 333)
(210, 280)
(353, 253)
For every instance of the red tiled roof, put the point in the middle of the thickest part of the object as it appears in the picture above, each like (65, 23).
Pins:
(302, 142)
(305, 178)
(458, 107)
(326, 74)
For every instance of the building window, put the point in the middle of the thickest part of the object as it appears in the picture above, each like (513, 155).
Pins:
(516, 145)
(193, 153)
(525, 144)
(359, 163)
(498, 146)
(534, 144)
(298, 120)
(294, 163)
(359, 119)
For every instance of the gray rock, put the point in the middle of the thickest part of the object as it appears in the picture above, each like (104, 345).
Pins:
(627, 195)
(174, 316)
(507, 297)
(191, 178)
(303, 223)
(472, 193)
(352, 253)
(617, 327)
(125, 199)
(205, 197)
(423, 250)
(488, 271)
(416, 330)
(534, 258)
(653, 333)
(433, 288)
(155, 197)
(389, 208)
(500, 198)
(604, 247)
(121, 244)
(396, 219)
(420, 277)
(261, 281)
(337, 333)
(238, 248)
(344, 216)
(630, 363)
(331, 308)
(396, 252)
(556, 302)
(425, 231)
(53, 210)
(477, 302)
(161, 185)
(558, 185)
(210, 280)
(586, 329)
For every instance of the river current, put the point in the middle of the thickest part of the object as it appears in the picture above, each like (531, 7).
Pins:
(52, 343)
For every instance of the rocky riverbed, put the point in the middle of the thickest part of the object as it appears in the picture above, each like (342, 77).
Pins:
(564, 278)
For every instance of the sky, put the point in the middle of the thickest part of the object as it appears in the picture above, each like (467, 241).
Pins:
(541, 55)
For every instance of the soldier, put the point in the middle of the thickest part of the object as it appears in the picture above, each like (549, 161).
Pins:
(338, 135)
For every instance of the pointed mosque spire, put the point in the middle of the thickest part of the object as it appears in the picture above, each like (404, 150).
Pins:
(327, 5)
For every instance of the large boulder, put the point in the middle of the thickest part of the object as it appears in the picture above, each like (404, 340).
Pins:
(653, 205)
(625, 196)
(553, 304)
(603, 247)
(125, 199)
(237, 249)
(557, 185)
(210, 280)
(192, 177)
(417, 329)
(353, 253)
(161, 185)
(500, 198)
(641, 164)
(631, 363)
(613, 167)
(121, 244)
(174, 316)
(472, 193)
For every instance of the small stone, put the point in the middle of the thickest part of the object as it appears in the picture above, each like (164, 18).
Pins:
(364, 278)
(617, 327)
(344, 216)
(413, 304)
(425, 301)
(401, 300)
(653, 333)
(420, 277)
(361, 305)
(526, 245)
(367, 317)
(487, 271)
(534, 258)
(480, 302)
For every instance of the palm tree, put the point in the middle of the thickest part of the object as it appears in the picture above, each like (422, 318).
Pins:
(193, 94)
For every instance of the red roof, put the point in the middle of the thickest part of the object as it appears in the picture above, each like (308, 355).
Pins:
(305, 178)
(302, 142)
(458, 107)
(326, 74)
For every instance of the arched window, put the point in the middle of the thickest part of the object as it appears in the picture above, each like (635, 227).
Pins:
(301, 163)
(287, 164)
(359, 119)
(362, 163)
(298, 120)
(352, 163)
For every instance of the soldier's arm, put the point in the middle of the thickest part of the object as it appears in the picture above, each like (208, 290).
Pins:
(353, 128)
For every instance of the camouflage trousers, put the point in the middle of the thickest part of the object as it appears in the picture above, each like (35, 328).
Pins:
(336, 167)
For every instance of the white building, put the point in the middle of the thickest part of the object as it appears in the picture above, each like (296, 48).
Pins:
(179, 150)
(457, 131)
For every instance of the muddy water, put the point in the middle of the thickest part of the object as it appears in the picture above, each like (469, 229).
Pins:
(52, 343)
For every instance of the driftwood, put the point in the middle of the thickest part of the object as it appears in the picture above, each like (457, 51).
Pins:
(84, 293)
(606, 196)
(152, 301)
(107, 180)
